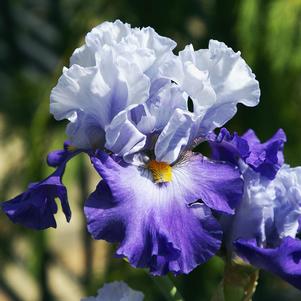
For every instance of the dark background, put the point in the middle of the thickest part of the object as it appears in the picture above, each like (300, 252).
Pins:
(37, 38)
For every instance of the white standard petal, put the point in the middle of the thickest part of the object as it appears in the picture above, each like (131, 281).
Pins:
(161, 47)
(80, 89)
(232, 80)
(144, 46)
(116, 291)
(154, 114)
(192, 80)
(97, 93)
(216, 79)
(122, 136)
(177, 136)
(115, 68)
(288, 200)
(84, 131)
(107, 33)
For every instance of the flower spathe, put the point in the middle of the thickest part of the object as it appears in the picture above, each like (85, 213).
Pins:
(125, 95)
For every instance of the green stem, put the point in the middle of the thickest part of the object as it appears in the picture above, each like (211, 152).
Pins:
(168, 288)
(239, 283)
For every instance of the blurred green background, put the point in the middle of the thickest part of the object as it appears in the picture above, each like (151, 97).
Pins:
(37, 38)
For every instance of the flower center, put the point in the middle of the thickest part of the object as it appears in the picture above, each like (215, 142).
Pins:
(161, 171)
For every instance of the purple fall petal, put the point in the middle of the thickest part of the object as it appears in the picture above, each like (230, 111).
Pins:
(227, 147)
(217, 184)
(283, 261)
(266, 158)
(35, 208)
(156, 224)
(167, 237)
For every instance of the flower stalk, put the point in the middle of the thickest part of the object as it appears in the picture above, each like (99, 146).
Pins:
(239, 283)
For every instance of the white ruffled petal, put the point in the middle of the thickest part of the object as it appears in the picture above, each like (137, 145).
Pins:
(113, 70)
(177, 136)
(116, 291)
(153, 115)
(106, 33)
(270, 209)
(216, 79)
(97, 93)
(122, 136)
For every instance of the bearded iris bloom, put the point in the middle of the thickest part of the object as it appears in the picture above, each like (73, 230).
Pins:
(126, 96)
(264, 229)
(116, 291)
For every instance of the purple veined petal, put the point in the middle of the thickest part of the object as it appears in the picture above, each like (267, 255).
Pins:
(218, 184)
(283, 260)
(35, 208)
(154, 224)
(265, 158)
(227, 147)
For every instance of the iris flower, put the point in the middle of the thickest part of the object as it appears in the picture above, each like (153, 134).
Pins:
(116, 291)
(264, 229)
(126, 97)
